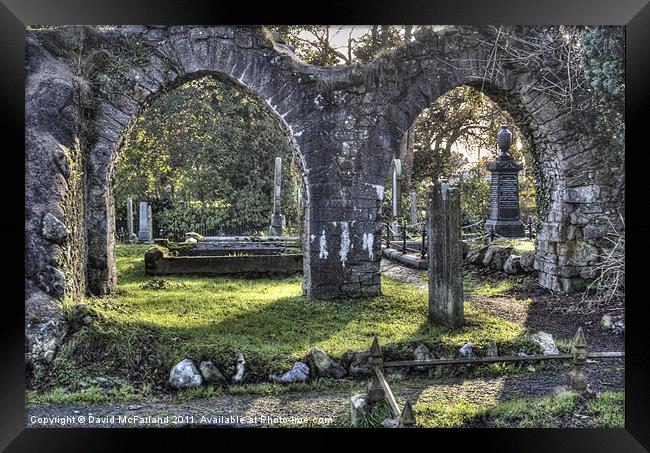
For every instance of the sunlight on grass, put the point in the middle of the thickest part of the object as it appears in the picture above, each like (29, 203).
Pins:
(494, 289)
(519, 245)
(145, 330)
(605, 411)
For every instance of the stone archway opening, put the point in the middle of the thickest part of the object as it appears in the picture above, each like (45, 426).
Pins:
(454, 138)
(202, 156)
(210, 187)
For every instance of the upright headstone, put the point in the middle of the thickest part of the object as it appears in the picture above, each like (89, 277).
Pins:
(414, 209)
(277, 219)
(445, 259)
(143, 220)
(132, 237)
(150, 222)
(396, 188)
(504, 191)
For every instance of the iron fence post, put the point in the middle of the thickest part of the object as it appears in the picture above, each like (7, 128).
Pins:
(407, 420)
(577, 379)
(423, 251)
(376, 360)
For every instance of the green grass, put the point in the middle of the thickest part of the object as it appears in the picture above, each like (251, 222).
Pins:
(152, 323)
(90, 395)
(519, 245)
(494, 283)
(606, 410)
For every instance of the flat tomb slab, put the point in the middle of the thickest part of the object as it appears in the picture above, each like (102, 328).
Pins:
(409, 260)
(155, 264)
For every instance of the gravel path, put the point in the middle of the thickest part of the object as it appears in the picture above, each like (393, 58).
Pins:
(307, 408)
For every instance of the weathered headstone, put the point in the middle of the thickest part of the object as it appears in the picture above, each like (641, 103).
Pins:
(397, 188)
(150, 222)
(504, 191)
(414, 209)
(277, 219)
(131, 238)
(143, 220)
(445, 255)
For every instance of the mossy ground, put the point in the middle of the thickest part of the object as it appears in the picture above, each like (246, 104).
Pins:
(561, 410)
(519, 245)
(152, 323)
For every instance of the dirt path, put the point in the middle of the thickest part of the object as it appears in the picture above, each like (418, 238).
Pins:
(530, 306)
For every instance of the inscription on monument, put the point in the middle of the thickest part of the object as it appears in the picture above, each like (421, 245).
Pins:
(508, 197)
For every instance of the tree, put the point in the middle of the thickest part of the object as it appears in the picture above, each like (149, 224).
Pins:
(203, 154)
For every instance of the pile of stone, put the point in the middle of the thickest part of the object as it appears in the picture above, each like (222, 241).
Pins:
(500, 258)
(607, 322)
(317, 363)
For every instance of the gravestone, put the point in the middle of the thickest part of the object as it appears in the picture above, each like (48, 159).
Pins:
(414, 209)
(143, 220)
(397, 188)
(132, 237)
(504, 191)
(445, 261)
(150, 222)
(277, 219)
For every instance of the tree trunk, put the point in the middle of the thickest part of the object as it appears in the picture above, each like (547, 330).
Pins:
(384, 36)
(408, 31)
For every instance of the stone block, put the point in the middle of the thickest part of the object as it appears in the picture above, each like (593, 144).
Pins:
(583, 194)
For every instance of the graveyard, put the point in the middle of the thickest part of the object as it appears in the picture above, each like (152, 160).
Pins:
(227, 225)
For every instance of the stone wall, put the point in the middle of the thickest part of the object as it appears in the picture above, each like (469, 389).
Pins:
(55, 253)
(344, 122)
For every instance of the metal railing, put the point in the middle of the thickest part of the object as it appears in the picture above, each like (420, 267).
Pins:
(379, 390)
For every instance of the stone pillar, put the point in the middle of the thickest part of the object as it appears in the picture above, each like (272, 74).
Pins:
(150, 222)
(143, 219)
(504, 191)
(414, 209)
(277, 219)
(132, 237)
(444, 255)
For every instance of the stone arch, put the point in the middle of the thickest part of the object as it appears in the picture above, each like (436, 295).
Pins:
(114, 125)
(567, 166)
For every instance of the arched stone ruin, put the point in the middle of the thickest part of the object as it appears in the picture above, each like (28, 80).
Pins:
(345, 123)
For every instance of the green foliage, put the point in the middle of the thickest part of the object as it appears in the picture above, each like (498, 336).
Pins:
(608, 410)
(474, 187)
(602, 58)
(602, 54)
(203, 156)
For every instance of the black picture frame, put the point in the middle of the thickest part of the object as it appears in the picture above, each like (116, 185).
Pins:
(634, 14)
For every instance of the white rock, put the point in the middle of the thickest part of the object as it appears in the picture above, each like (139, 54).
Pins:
(185, 375)
(390, 423)
(239, 375)
(358, 408)
(619, 327)
(299, 373)
(546, 342)
(466, 350)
